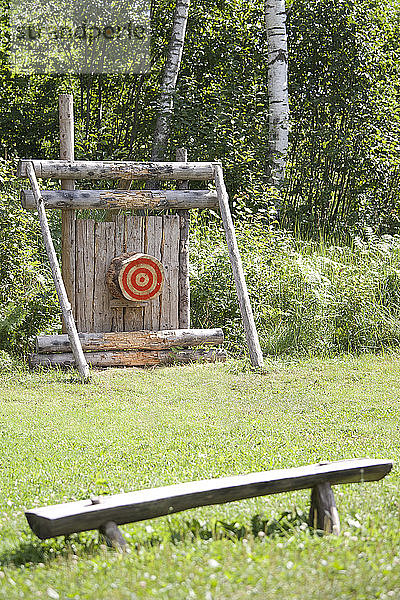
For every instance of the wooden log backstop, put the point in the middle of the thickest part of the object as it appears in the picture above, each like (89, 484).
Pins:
(150, 296)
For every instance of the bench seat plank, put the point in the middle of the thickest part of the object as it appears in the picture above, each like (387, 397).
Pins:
(71, 517)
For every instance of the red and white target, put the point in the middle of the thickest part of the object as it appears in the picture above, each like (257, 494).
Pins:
(141, 277)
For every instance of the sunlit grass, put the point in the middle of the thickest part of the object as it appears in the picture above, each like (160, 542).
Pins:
(132, 428)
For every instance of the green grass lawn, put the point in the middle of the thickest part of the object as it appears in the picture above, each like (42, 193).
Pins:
(131, 429)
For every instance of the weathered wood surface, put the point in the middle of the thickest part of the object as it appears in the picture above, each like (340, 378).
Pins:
(169, 314)
(81, 169)
(323, 511)
(184, 223)
(135, 241)
(84, 277)
(183, 275)
(68, 217)
(253, 342)
(71, 517)
(77, 352)
(123, 199)
(113, 536)
(130, 358)
(97, 245)
(104, 252)
(113, 272)
(110, 531)
(119, 248)
(129, 340)
(154, 243)
(122, 303)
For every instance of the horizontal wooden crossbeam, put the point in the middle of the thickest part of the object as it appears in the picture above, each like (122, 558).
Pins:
(123, 199)
(129, 358)
(80, 169)
(64, 519)
(131, 340)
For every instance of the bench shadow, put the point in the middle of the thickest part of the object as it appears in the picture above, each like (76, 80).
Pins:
(32, 551)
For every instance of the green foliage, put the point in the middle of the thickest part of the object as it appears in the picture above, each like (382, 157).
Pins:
(27, 300)
(344, 75)
(343, 64)
(307, 297)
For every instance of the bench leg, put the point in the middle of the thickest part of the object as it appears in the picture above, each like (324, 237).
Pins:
(323, 511)
(113, 536)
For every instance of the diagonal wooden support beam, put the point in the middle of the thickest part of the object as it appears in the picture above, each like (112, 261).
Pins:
(253, 342)
(76, 346)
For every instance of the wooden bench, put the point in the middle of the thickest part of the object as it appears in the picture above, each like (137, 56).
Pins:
(107, 512)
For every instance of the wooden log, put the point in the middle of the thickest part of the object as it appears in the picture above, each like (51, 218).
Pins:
(130, 358)
(68, 217)
(123, 199)
(131, 340)
(77, 352)
(184, 224)
(323, 511)
(71, 517)
(113, 536)
(134, 276)
(253, 343)
(81, 169)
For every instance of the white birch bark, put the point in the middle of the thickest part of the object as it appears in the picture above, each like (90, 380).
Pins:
(278, 98)
(170, 76)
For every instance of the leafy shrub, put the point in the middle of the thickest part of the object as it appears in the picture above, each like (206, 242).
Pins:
(27, 298)
(307, 297)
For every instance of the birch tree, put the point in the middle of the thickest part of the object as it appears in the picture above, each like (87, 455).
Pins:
(278, 99)
(170, 76)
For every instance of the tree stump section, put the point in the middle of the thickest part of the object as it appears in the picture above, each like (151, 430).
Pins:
(135, 277)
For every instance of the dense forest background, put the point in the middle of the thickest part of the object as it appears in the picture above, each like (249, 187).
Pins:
(341, 188)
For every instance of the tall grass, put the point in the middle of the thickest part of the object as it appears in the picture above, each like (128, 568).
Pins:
(308, 297)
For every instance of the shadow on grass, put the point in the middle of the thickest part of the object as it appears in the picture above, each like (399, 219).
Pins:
(31, 551)
(288, 523)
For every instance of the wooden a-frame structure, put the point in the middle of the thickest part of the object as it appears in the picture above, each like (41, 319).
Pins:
(70, 199)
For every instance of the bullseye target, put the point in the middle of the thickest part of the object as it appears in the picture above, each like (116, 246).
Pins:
(141, 277)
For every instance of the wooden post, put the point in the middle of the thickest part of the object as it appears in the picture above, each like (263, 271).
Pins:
(58, 281)
(253, 343)
(68, 217)
(110, 531)
(113, 536)
(184, 284)
(323, 511)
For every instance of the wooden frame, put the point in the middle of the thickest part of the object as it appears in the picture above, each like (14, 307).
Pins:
(182, 199)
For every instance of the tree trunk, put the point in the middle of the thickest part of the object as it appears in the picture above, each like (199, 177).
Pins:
(277, 90)
(170, 76)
